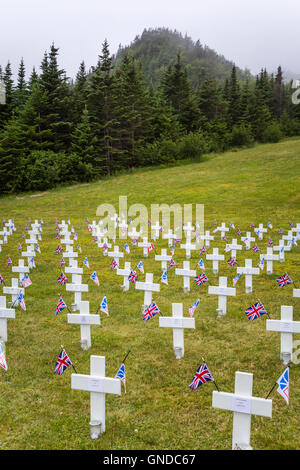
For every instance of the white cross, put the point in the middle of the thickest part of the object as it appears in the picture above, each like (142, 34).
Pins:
(36, 226)
(178, 323)
(215, 258)
(260, 230)
(269, 258)
(29, 255)
(223, 229)
(73, 269)
(70, 254)
(5, 313)
(297, 230)
(67, 241)
(98, 385)
(123, 227)
(223, 292)
(233, 247)
(296, 292)
(243, 405)
(289, 237)
(163, 257)
(188, 246)
(85, 320)
(247, 240)
(286, 326)
(105, 242)
(170, 236)
(249, 271)
(155, 228)
(4, 234)
(187, 273)
(77, 288)
(148, 287)
(282, 248)
(116, 254)
(21, 269)
(125, 273)
(133, 233)
(145, 245)
(188, 229)
(14, 290)
(207, 238)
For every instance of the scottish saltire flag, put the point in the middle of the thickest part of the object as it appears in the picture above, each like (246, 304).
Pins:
(293, 241)
(247, 242)
(284, 280)
(201, 376)
(193, 307)
(1, 280)
(132, 277)
(9, 262)
(94, 278)
(26, 281)
(104, 306)
(32, 262)
(60, 306)
(201, 279)
(3, 362)
(141, 266)
(113, 264)
(270, 242)
(284, 387)
(86, 262)
(164, 278)
(42, 221)
(227, 248)
(38, 248)
(126, 248)
(150, 311)
(255, 248)
(79, 247)
(150, 247)
(201, 264)
(261, 264)
(232, 225)
(203, 250)
(21, 301)
(62, 262)
(235, 279)
(269, 225)
(255, 311)
(59, 249)
(171, 264)
(231, 262)
(62, 363)
(62, 279)
(121, 375)
(39, 237)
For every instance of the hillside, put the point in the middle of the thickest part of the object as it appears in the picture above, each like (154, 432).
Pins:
(157, 48)
(39, 410)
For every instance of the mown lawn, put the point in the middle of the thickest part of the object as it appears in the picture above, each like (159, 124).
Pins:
(39, 410)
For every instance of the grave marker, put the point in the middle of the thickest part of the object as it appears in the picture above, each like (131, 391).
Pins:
(178, 323)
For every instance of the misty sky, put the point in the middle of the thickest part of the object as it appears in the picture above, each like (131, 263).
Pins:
(251, 33)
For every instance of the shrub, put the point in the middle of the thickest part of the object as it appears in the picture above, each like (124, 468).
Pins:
(241, 136)
(272, 133)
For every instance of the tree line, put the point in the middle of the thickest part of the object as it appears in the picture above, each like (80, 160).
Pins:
(55, 131)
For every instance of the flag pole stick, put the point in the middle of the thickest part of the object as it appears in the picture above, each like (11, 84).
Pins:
(271, 390)
(126, 355)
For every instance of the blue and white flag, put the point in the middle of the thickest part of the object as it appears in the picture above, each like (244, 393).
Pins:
(193, 307)
(104, 306)
(141, 266)
(283, 385)
(201, 264)
(164, 278)
(126, 248)
(121, 375)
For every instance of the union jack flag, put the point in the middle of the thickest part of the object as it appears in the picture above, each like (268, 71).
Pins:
(26, 281)
(59, 249)
(203, 250)
(62, 279)
(21, 301)
(255, 311)
(58, 236)
(9, 262)
(252, 225)
(238, 232)
(1, 279)
(150, 311)
(171, 264)
(201, 279)
(193, 307)
(284, 387)
(62, 363)
(270, 242)
(255, 248)
(150, 247)
(231, 262)
(94, 278)
(60, 306)
(284, 280)
(113, 264)
(121, 375)
(132, 277)
(201, 376)
(3, 363)
(62, 262)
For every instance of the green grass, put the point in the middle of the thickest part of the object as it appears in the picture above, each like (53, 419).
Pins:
(39, 410)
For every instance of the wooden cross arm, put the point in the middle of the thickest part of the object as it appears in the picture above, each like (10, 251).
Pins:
(83, 319)
(96, 384)
(283, 326)
(77, 287)
(169, 322)
(258, 406)
(7, 313)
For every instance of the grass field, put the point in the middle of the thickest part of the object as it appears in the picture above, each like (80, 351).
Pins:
(39, 410)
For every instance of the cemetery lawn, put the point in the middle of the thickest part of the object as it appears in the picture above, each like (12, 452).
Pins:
(39, 410)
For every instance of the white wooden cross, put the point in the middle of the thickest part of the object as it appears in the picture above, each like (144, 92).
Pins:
(70, 254)
(187, 273)
(29, 255)
(73, 269)
(123, 227)
(289, 237)
(261, 230)
(286, 326)
(116, 254)
(233, 247)
(282, 248)
(145, 245)
(269, 258)
(207, 238)
(105, 243)
(133, 233)
(296, 292)
(189, 228)
(5, 313)
(13, 290)
(4, 234)
(297, 230)
(148, 287)
(170, 236)
(67, 241)
(249, 271)
(223, 292)
(77, 288)
(164, 258)
(21, 269)
(98, 385)
(247, 240)
(243, 405)
(85, 320)
(178, 323)
(188, 247)
(155, 228)
(37, 226)
(215, 257)
(125, 273)
(223, 229)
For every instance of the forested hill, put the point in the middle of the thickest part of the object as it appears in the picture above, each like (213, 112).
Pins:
(157, 48)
